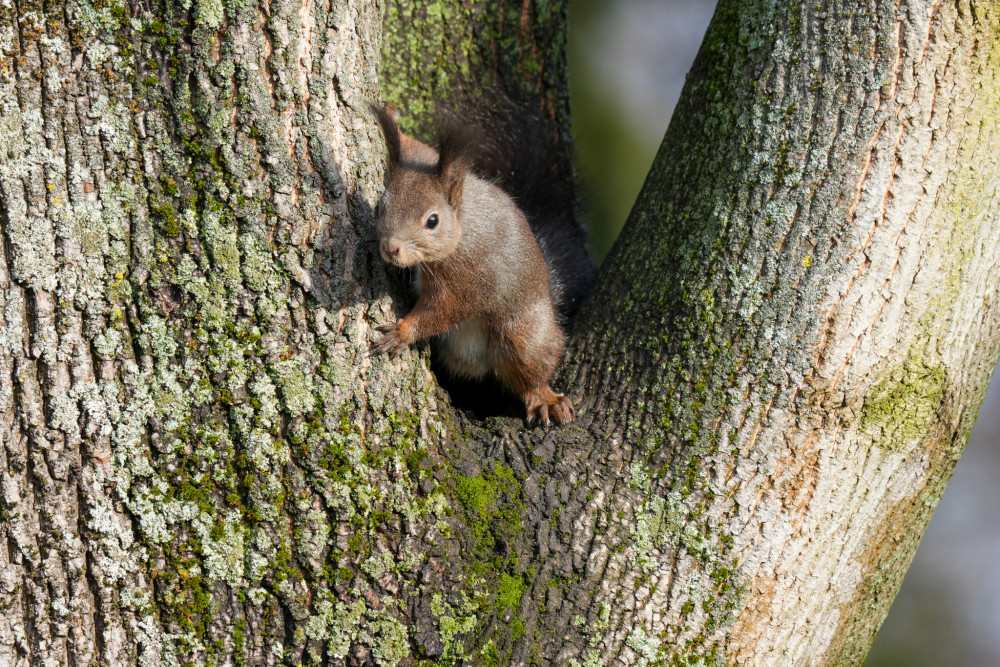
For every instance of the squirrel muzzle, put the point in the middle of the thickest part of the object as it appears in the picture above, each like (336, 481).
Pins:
(390, 250)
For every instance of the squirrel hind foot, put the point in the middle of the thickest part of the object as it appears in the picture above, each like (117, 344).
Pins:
(546, 406)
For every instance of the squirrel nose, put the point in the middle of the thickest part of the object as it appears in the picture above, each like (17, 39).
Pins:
(390, 248)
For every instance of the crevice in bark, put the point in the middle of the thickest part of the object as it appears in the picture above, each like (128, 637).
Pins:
(698, 464)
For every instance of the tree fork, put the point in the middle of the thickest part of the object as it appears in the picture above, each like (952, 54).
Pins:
(204, 462)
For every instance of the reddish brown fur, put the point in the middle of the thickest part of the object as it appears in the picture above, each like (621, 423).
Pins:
(481, 270)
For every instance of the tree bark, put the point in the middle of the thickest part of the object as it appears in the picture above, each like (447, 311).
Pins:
(204, 463)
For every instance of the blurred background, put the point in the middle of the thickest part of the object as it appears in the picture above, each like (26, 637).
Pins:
(628, 60)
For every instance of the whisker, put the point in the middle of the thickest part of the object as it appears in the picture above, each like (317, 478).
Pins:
(428, 267)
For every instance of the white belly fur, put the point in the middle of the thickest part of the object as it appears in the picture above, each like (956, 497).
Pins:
(464, 349)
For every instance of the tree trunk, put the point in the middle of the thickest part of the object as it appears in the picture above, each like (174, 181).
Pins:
(204, 463)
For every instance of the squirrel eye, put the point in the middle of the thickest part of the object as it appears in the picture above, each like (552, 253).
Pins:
(432, 221)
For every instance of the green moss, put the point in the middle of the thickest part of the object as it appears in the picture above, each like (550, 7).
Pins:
(492, 511)
(510, 591)
(437, 52)
(903, 402)
(490, 655)
(516, 628)
(167, 217)
(239, 643)
(493, 504)
(221, 379)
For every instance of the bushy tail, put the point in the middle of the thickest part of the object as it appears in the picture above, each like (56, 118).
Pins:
(516, 152)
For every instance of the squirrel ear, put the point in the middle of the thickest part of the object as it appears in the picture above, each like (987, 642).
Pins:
(451, 175)
(387, 117)
(393, 111)
(452, 168)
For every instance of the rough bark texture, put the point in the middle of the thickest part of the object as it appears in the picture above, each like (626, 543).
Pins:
(203, 463)
(799, 384)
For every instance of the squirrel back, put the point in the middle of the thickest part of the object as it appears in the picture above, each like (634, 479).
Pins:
(514, 151)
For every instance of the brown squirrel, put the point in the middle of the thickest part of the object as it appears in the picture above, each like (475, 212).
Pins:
(493, 283)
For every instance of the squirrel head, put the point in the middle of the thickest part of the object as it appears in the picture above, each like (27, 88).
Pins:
(417, 218)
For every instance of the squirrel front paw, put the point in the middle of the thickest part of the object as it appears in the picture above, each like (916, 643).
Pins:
(395, 341)
(554, 407)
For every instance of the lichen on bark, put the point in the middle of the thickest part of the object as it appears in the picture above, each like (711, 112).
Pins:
(205, 463)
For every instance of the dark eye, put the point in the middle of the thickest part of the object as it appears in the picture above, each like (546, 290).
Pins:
(432, 221)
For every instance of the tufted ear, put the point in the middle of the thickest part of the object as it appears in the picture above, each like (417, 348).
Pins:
(451, 176)
(393, 111)
(453, 162)
(387, 117)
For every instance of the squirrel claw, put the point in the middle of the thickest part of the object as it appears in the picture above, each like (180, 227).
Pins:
(392, 342)
(558, 409)
(542, 415)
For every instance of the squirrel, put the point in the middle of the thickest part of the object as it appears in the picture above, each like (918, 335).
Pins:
(496, 281)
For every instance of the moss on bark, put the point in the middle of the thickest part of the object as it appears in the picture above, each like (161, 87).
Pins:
(188, 286)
